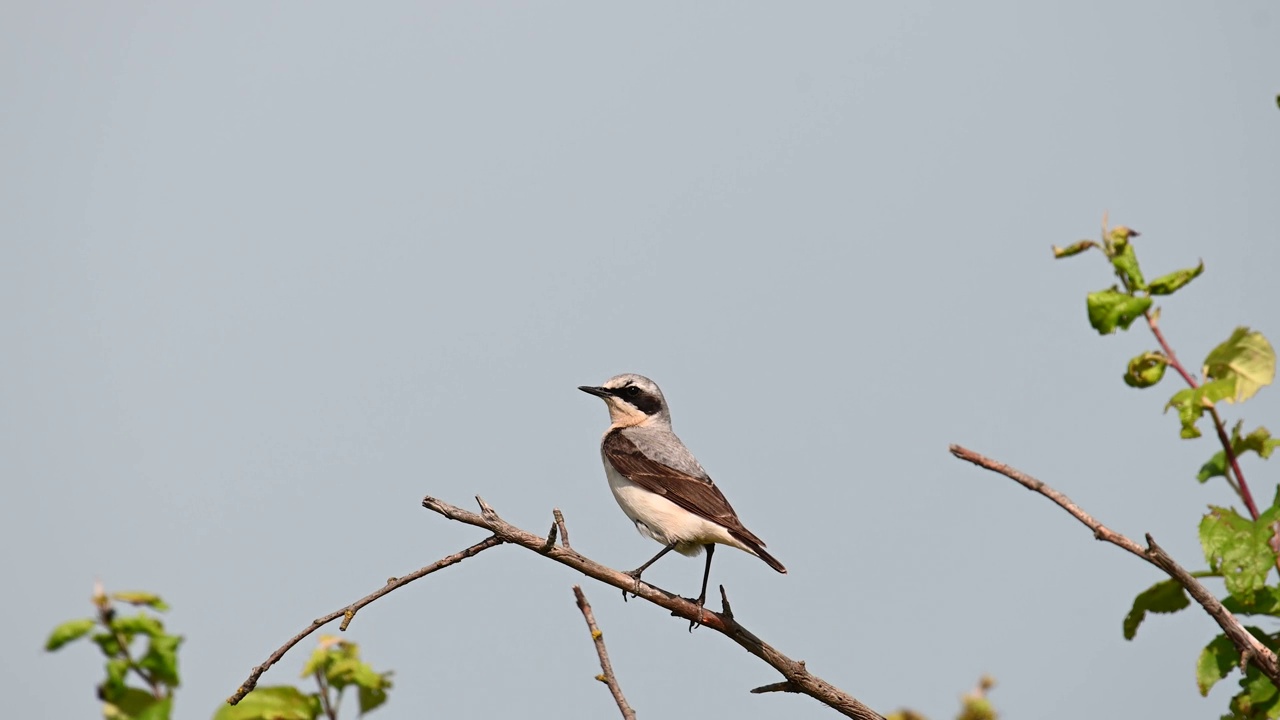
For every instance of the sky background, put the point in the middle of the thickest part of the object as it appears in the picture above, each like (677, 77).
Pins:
(271, 273)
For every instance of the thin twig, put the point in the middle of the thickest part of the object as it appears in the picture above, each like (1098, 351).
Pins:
(1249, 647)
(607, 677)
(325, 702)
(564, 531)
(809, 684)
(1239, 485)
(349, 612)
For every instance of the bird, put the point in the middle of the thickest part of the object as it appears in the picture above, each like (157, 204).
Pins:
(659, 483)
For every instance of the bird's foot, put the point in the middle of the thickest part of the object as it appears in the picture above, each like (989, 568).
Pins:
(634, 575)
(702, 599)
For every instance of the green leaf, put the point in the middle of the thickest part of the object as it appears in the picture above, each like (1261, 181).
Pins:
(1109, 309)
(278, 702)
(1246, 359)
(1191, 403)
(1217, 660)
(1259, 698)
(69, 631)
(1258, 441)
(1125, 261)
(1166, 596)
(113, 687)
(161, 709)
(141, 597)
(108, 644)
(1171, 283)
(1145, 370)
(1264, 601)
(1238, 548)
(161, 659)
(1073, 249)
(371, 697)
(137, 704)
(137, 625)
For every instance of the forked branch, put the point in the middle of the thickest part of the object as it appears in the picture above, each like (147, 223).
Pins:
(722, 622)
(1250, 649)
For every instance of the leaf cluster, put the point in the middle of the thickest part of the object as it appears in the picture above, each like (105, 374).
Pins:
(335, 666)
(142, 668)
(1241, 550)
(117, 636)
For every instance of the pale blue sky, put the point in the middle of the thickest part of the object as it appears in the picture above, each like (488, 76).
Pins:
(272, 273)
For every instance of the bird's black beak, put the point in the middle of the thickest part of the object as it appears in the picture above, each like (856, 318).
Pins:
(597, 391)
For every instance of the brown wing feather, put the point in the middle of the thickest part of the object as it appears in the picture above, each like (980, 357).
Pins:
(697, 495)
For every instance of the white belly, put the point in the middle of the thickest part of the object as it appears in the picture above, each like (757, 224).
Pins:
(659, 518)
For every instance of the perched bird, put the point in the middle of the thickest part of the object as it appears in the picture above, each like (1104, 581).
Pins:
(660, 484)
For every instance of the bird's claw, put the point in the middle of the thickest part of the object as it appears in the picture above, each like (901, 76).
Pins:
(699, 602)
(635, 592)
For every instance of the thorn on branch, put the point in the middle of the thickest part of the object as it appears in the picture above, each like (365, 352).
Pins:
(485, 510)
(784, 686)
(724, 604)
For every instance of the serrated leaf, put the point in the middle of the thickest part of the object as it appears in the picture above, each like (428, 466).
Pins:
(1258, 441)
(1191, 403)
(1166, 596)
(1073, 249)
(1110, 309)
(1216, 661)
(67, 632)
(1247, 359)
(161, 659)
(1174, 281)
(276, 702)
(1145, 370)
(1238, 548)
(141, 597)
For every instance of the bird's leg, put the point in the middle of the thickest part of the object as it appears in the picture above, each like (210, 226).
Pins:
(635, 574)
(702, 596)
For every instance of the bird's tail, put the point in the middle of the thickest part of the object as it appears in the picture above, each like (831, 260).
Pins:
(757, 548)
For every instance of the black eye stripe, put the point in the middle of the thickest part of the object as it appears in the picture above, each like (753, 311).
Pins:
(644, 402)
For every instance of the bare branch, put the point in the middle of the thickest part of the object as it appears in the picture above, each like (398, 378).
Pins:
(607, 677)
(564, 531)
(349, 612)
(794, 671)
(1249, 647)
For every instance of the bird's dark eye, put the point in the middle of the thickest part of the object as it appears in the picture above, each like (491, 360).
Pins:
(632, 391)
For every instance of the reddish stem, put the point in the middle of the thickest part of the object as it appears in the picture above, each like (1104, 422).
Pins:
(1243, 487)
